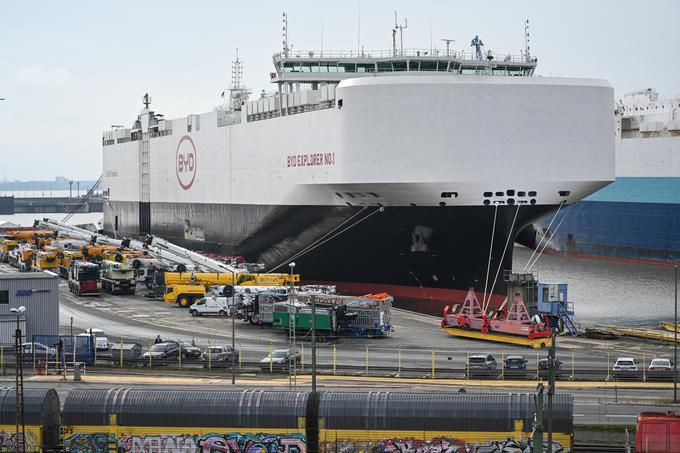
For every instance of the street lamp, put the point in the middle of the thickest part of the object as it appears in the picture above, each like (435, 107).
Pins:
(292, 347)
(19, 380)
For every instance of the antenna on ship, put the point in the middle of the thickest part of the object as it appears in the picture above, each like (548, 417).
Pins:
(146, 100)
(448, 45)
(527, 53)
(401, 35)
(285, 35)
(238, 94)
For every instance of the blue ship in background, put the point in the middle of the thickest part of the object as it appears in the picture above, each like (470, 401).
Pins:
(638, 215)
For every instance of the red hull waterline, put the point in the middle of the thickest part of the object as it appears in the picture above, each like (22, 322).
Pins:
(430, 301)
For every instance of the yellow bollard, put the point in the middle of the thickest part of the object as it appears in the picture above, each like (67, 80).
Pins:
(334, 356)
(537, 358)
(433, 362)
(573, 367)
(366, 360)
(644, 368)
(179, 356)
(271, 359)
(150, 354)
(302, 358)
(608, 367)
(209, 357)
(121, 352)
(399, 363)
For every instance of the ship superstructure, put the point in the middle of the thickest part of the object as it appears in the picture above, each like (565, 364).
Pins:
(407, 171)
(636, 216)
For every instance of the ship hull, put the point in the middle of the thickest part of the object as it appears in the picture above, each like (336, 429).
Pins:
(634, 218)
(427, 257)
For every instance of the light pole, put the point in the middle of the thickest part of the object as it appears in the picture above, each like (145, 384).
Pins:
(232, 313)
(675, 343)
(313, 344)
(19, 380)
(292, 371)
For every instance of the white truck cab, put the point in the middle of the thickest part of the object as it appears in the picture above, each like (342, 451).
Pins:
(211, 306)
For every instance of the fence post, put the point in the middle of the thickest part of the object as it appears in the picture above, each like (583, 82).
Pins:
(150, 364)
(209, 356)
(467, 366)
(34, 359)
(179, 356)
(334, 359)
(302, 358)
(433, 362)
(608, 366)
(399, 363)
(2, 360)
(644, 368)
(537, 373)
(47, 360)
(502, 365)
(573, 367)
(240, 359)
(271, 358)
(367, 360)
(94, 345)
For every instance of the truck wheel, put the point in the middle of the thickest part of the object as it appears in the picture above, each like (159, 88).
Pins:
(223, 313)
(183, 301)
(193, 312)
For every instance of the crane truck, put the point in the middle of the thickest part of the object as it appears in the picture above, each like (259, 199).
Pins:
(118, 277)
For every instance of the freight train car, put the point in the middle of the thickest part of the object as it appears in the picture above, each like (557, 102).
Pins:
(41, 420)
(658, 432)
(127, 420)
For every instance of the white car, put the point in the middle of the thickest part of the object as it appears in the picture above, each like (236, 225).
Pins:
(211, 306)
(661, 365)
(101, 341)
(625, 364)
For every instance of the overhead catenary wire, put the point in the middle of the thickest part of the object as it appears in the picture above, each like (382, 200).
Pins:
(488, 263)
(500, 263)
(317, 243)
(545, 231)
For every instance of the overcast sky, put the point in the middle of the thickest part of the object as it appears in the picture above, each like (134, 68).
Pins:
(70, 69)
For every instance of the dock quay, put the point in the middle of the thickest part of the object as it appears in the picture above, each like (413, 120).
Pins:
(20, 205)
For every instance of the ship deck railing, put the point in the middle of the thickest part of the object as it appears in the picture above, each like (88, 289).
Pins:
(461, 55)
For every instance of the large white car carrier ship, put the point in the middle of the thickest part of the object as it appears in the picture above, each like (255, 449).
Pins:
(406, 171)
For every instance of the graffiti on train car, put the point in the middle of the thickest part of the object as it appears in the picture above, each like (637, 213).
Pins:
(252, 443)
(11, 441)
(89, 443)
(438, 445)
(188, 443)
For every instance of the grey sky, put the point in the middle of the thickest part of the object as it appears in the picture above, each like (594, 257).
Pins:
(71, 69)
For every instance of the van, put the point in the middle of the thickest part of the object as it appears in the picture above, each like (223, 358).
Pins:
(211, 306)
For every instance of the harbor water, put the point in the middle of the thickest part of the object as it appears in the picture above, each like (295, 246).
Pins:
(606, 291)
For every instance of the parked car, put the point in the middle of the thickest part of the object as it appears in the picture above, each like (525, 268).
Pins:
(189, 350)
(515, 363)
(219, 356)
(660, 365)
(100, 339)
(132, 352)
(279, 359)
(544, 364)
(39, 350)
(163, 351)
(625, 364)
(482, 362)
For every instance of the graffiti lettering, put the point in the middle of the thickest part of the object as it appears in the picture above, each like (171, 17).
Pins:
(440, 445)
(89, 443)
(164, 443)
(252, 443)
(11, 441)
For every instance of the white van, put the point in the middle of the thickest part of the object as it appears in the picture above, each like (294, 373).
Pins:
(211, 306)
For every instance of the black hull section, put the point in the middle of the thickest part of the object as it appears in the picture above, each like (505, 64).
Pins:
(426, 256)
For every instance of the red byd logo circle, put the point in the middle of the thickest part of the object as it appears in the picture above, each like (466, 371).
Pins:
(185, 162)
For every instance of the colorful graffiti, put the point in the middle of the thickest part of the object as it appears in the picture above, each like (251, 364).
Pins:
(438, 445)
(252, 443)
(188, 443)
(11, 441)
(89, 443)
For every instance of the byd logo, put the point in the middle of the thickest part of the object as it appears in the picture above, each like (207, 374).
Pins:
(186, 162)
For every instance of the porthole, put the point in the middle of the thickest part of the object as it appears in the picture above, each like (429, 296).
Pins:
(521, 193)
(510, 192)
(488, 194)
(441, 203)
(487, 202)
(532, 193)
(511, 201)
(533, 201)
(499, 194)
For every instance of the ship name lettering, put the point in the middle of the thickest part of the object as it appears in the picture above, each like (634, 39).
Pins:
(310, 160)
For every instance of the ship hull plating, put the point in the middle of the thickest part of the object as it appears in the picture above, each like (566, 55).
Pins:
(427, 257)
